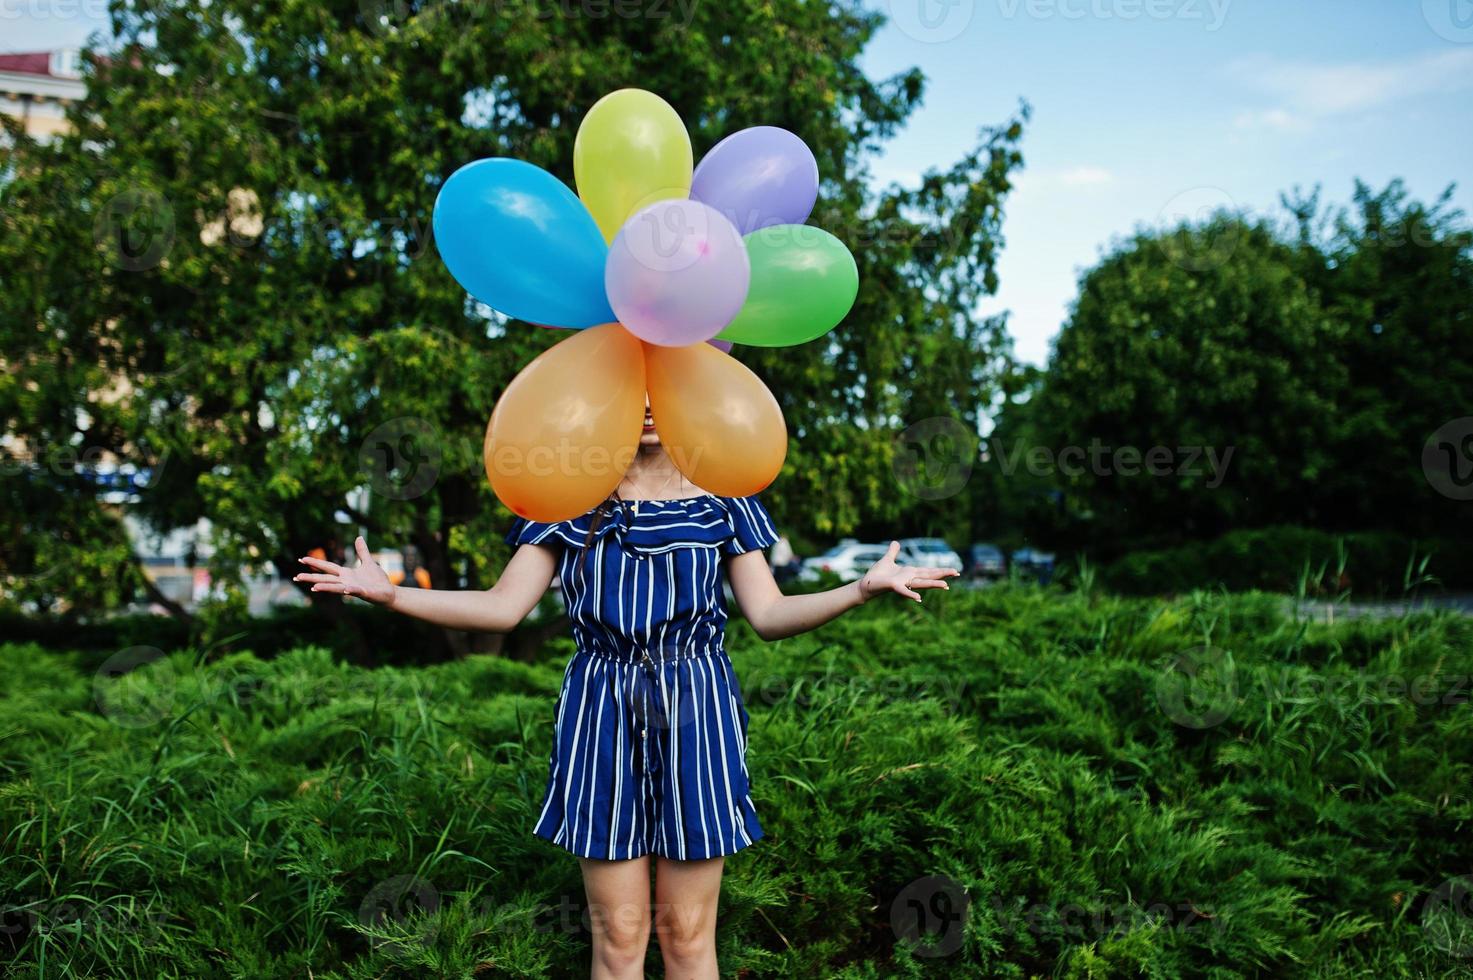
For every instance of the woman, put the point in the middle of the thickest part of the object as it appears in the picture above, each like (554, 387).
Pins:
(651, 732)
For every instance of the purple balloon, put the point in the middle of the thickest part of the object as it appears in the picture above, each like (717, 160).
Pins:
(722, 345)
(758, 177)
(677, 273)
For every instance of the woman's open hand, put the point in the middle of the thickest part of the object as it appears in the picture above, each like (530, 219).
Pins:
(887, 576)
(368, 581)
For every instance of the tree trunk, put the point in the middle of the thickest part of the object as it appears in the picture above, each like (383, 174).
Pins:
(456, 643)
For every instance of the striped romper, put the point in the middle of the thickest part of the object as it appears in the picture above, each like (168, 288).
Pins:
(651, 734)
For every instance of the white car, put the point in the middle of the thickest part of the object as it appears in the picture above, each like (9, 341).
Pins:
(848, 559)
(928, 553)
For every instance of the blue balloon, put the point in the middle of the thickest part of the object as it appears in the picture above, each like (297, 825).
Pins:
(522, 243)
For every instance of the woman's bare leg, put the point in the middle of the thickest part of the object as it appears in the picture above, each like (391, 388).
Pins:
(619, 915)
(686, 894)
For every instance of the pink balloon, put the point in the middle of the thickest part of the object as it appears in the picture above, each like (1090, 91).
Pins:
(677, 273)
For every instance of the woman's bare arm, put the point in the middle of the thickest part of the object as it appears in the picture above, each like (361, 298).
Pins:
(774, 615)
(494, 610)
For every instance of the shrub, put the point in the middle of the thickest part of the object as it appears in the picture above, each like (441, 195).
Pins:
(1277, 805)
(1276, 559)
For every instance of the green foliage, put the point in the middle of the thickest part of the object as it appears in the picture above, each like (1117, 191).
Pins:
(1294, 810)
(1321, 359)
(225, 276)
(1273, 559)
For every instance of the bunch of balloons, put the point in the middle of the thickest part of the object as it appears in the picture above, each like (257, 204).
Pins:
(659, 266)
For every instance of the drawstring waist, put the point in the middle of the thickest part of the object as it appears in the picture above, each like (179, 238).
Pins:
(649, 655)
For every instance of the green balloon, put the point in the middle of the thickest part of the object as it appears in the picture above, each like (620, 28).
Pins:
(803, 282)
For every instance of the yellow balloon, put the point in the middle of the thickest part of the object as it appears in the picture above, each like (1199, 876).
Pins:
(631, 151)
(716, 419)
(567, 427)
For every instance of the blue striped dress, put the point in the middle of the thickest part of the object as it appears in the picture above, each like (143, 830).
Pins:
(649, 747)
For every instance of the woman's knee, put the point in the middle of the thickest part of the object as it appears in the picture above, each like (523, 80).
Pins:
(621, 932)
(687, 932)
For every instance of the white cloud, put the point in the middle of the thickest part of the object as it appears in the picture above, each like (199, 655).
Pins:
(1080, 176)
(1085, 176)
(1318, 90)
(1280, 119)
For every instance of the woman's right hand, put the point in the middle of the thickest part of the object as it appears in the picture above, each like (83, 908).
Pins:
(368, 581)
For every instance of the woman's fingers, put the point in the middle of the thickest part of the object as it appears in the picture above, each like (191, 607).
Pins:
(361, 546)
(325, 566)
(901, 585)
(891, 551)
(928, 583)
(339, 587)
(305, 577)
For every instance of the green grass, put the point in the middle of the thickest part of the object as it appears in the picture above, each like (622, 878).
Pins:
(215, 814)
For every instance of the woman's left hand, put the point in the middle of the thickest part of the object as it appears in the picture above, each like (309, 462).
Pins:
(887, 576)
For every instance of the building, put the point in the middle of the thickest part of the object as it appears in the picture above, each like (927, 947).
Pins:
(37, 86)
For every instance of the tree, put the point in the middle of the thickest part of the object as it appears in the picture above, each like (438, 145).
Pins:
(1399, 274)
(1203, 341)
(225, 276)
(1323, 356)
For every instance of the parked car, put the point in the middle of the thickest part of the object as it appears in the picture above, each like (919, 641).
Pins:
(928, 553)
(986, 561)
(1034, 564)
(848, 559)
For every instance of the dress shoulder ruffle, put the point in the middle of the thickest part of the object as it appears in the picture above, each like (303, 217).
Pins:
(651, 527)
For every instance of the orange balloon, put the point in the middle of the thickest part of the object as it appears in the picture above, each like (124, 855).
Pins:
(716, 419)
(567, 427)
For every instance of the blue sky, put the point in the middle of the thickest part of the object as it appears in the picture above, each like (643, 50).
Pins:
(1150, 110)
(1145, 111)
